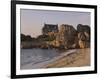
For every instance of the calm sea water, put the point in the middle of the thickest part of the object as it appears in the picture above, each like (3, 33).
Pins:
(35, 56)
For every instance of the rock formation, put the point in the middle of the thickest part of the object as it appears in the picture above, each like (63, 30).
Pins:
(49, 29)
(83, 35)
(83, 28)
(66, 36)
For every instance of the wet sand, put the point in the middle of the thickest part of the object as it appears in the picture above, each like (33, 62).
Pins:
(80, 57)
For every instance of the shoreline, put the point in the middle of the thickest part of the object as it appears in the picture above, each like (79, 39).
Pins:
(70, 58)
(43, 64)
(78, 58)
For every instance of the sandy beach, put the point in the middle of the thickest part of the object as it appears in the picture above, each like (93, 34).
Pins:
(78, 58)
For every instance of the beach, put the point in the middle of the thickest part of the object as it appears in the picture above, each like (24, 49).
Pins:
(68, 58)
(80, 57)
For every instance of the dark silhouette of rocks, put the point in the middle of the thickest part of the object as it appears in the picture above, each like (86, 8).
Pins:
(26, 38)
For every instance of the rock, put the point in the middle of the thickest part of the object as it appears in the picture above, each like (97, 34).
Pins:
(76, 44)
(66, 36)
(83, 28)
(82, 44)
(49, 29)
(83, 35)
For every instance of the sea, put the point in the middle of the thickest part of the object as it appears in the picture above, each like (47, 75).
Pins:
(35, 58)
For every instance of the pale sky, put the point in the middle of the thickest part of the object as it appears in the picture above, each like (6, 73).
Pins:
(32, 21)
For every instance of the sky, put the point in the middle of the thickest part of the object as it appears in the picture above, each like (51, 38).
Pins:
(32, 21)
